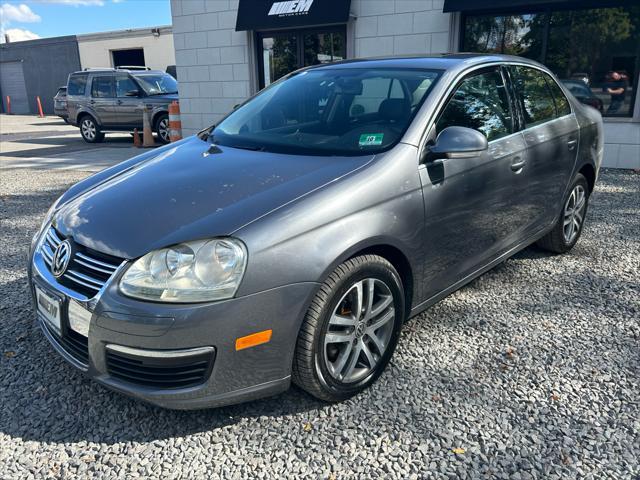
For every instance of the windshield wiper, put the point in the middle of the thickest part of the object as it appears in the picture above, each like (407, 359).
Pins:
(248, 147)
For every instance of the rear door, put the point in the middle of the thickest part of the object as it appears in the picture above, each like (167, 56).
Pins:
(471, 204)
(128, 108)
(103, 99)
(551, 133)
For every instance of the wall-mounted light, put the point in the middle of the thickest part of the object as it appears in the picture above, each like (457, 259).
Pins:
(155, 32)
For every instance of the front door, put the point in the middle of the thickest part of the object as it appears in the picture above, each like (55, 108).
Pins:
(283, 52)
(128, 107)
(472, 204)
(103, 100)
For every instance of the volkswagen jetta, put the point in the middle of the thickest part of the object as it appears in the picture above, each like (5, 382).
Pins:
(292, 240)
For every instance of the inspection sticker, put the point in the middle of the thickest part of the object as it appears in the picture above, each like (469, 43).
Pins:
(371, 139)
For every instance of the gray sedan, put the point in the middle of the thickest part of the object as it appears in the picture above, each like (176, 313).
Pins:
(292, 241)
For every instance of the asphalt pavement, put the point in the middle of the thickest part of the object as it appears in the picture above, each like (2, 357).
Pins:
(27, 141)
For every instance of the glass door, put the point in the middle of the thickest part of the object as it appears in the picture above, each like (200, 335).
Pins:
(283, 52)
(279, 57)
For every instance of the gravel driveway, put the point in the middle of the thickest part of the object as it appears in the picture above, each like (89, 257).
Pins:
(531, 371)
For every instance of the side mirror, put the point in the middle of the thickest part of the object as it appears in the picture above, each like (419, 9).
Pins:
(458, 142)
(132, 93)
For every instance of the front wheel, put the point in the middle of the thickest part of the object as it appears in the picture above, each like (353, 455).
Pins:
(162, 128)
(90, 130)
(568, 227)
(350, 330)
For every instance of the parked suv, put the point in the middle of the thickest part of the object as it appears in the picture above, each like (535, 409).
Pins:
(112, 100)
(60, 104)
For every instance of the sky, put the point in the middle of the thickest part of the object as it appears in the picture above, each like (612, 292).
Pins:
(28, 19)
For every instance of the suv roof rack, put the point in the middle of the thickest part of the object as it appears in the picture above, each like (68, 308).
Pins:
(132, 67)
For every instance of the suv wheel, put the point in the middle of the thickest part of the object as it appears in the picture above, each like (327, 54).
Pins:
(568, 227)
(351, 329)
(162, 128)
(90, 130)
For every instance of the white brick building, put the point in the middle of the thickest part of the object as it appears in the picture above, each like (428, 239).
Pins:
(227, 50)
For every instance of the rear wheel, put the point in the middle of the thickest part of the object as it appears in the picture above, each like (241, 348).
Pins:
(351, 329)
(568, 227)
(162, 128)
(90, 130)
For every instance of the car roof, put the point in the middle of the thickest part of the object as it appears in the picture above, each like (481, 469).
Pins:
(116, 70)
(444, 61)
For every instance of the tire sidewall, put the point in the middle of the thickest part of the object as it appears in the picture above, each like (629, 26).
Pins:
(391, 279)
(579, 180)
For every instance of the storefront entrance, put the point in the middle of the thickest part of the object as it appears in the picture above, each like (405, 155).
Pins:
(282, 52)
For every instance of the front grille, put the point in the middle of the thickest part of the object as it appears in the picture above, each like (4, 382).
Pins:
(160, 372)
(73, 343)
(88, 270)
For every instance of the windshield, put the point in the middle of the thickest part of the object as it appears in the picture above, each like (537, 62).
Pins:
(329, 112)
(157, 84)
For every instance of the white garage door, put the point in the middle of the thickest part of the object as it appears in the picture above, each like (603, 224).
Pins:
(12, 84)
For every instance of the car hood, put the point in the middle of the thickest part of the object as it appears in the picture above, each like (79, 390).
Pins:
(165, 97)
(190, 191)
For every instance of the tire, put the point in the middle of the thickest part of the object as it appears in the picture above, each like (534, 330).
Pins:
(162, 128)
(562, 238)
(90, 130)
(327, 370)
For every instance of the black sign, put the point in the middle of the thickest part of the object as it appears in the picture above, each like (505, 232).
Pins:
(270, 14)
(530, 5)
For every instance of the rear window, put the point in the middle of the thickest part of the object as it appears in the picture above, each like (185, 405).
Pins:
(535, 96)
(77, 85)
(562, 104)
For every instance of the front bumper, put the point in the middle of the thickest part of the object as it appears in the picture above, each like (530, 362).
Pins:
(127, 339)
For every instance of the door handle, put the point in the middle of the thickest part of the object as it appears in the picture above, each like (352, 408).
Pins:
(517, 164)
(119, 102)
(572, 144)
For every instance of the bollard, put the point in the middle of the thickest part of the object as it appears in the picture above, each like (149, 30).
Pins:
(8, 103)
(40, 113)
(175, 125)
(136, 138)
(147, 134)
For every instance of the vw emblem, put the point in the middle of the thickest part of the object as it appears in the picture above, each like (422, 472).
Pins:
(61, 258)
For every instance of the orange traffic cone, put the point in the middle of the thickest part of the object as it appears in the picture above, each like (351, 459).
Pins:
(175, 125)
(136, 138)
(147, 135)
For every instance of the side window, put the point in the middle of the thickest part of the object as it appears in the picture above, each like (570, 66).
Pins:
(102, 87)
(534, 94)
(77, 85)
(480, 102)
(562, 104)
(124, 84)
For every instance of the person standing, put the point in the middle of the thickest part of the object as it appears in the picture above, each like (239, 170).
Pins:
(617, 88)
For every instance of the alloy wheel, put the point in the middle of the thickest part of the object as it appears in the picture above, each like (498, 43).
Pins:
(574, 213)
(88, 129)
(359, 330)
(163, 129)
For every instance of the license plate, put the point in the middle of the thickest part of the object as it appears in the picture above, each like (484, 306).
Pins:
(49, 308)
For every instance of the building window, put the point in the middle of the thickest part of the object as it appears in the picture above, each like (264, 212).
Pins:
(283, 52)
(594, 48)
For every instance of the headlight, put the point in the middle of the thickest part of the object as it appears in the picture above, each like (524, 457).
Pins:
(201, 271)
(47, 220)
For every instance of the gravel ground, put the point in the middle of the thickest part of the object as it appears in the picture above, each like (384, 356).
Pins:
(531, 371)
